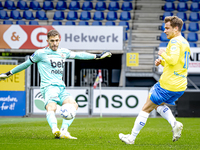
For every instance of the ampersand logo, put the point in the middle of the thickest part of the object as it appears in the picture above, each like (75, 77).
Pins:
(14, 37)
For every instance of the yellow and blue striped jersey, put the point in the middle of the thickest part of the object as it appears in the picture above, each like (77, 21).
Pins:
(176, 61)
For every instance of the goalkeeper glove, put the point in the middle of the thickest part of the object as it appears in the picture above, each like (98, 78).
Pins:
(103, 55)
(5, 75)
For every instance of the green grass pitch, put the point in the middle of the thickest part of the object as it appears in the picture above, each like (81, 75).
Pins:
(97, 134)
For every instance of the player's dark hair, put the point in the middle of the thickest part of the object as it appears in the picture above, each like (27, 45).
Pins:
(174, 22)
(52, 33)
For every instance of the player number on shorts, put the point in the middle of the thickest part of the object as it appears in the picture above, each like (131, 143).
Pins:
(186, 59)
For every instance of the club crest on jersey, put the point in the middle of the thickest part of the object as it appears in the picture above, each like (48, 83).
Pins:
(63, 56)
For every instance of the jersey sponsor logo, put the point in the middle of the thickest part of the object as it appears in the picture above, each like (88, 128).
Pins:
(59, 64)
(179, 75)
(56, 71)
(173, 48)
(174, 41)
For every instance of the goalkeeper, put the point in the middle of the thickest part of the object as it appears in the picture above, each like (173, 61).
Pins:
(50, 62)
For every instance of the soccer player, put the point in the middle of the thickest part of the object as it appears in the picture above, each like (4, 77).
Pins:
(50, 61)
(172, 83)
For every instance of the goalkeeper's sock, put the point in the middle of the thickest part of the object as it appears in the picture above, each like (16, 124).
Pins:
(51, 119)
(166, 113)
(66, 123)
(138, 125)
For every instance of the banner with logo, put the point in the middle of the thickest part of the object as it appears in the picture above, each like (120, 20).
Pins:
(12, 103)
(119, 102)
(72, 37)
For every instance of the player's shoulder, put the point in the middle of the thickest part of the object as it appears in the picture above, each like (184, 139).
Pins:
(63, 50)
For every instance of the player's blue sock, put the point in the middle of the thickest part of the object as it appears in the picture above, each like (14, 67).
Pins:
(66, 123)
(51, 118)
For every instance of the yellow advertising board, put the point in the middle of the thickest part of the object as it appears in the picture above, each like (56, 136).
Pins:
(15, 82)
(132, 59)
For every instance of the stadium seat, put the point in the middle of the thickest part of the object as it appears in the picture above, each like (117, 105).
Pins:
(20, 22)
(183, 0)
(163, 44)
(128, 0)
(182, 34)
(193, 27)
(56, 23)
(113, 6)
(170, 0)
(182, 7)
(61, 5)
(125, 36)
(7, 22)
(33, 22)
(9, 5)
(35, 5)
(182, 15)
(111, 16)
(87, 6)
(183, 27)
(127, 6)
(15, 14)
(48, 5)
(85, 15)
(96, 23)
(195, 7)
(193, 44)
(101, 0)
(74, 5)
(72, 15)
(22, 5)
(165, 14)
(169, 6)
(98, 16)
(41, 15)
(192, 37)
(124, 23)
(59, 15)
(125, 16)
(194, 16)
(28, 15)
(72, 23)
(100, 6)
(162, 26)
(110, 23)
(3, 14)
(1, 6)
(83, 23)
(163, 37)
(195, 0)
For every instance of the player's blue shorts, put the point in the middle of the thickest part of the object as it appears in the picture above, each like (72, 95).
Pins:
(54, 93)
(159, 95)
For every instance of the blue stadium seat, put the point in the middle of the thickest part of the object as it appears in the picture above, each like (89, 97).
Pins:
(127, 6)
(193, 27)
(1, 6)
(98, 16)
(182, 7)
(111, 16)
(96, 23)
(33, 22)
(22, 5)
(72, 15)
(28, 15)
(101, 0)
(193, 44)
(74, 5)
(170, 0)
(20, 22)
(194, 16)
(165, 14)
(87, 6)
(124, 23)
(41, 15)
(183, 0)
(195, 7)
(48, 5)
(125, 16)
(163, 44)
(85, 15)
(88, 0)
(59, 15)
(110, 23)
(61, 5)
(182, 34)
(9, 5)
(113, 6)
(163, 26)
(100, 6)
(3, 14)
(70, 23)
(128, 0)
(182, 15)
(125, 36)
(183, 27)
(163, 37)
(35, 5)
(169, 6)
(83, 23)
(7, 22)
(192, 37)
(56, 23)
(15, 14)
(195, 0)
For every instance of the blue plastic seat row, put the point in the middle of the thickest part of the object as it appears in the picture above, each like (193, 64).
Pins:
(182, 7)
(164, 44)
(182, 0)
(21, 22)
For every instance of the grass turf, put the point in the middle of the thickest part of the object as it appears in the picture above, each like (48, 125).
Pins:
(97, 133)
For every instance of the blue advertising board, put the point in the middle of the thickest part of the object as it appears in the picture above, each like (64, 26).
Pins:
(12, 103)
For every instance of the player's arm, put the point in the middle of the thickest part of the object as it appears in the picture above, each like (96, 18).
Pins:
(87, 56)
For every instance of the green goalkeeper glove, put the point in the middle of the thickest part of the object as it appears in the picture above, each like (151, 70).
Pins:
(103, 55)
